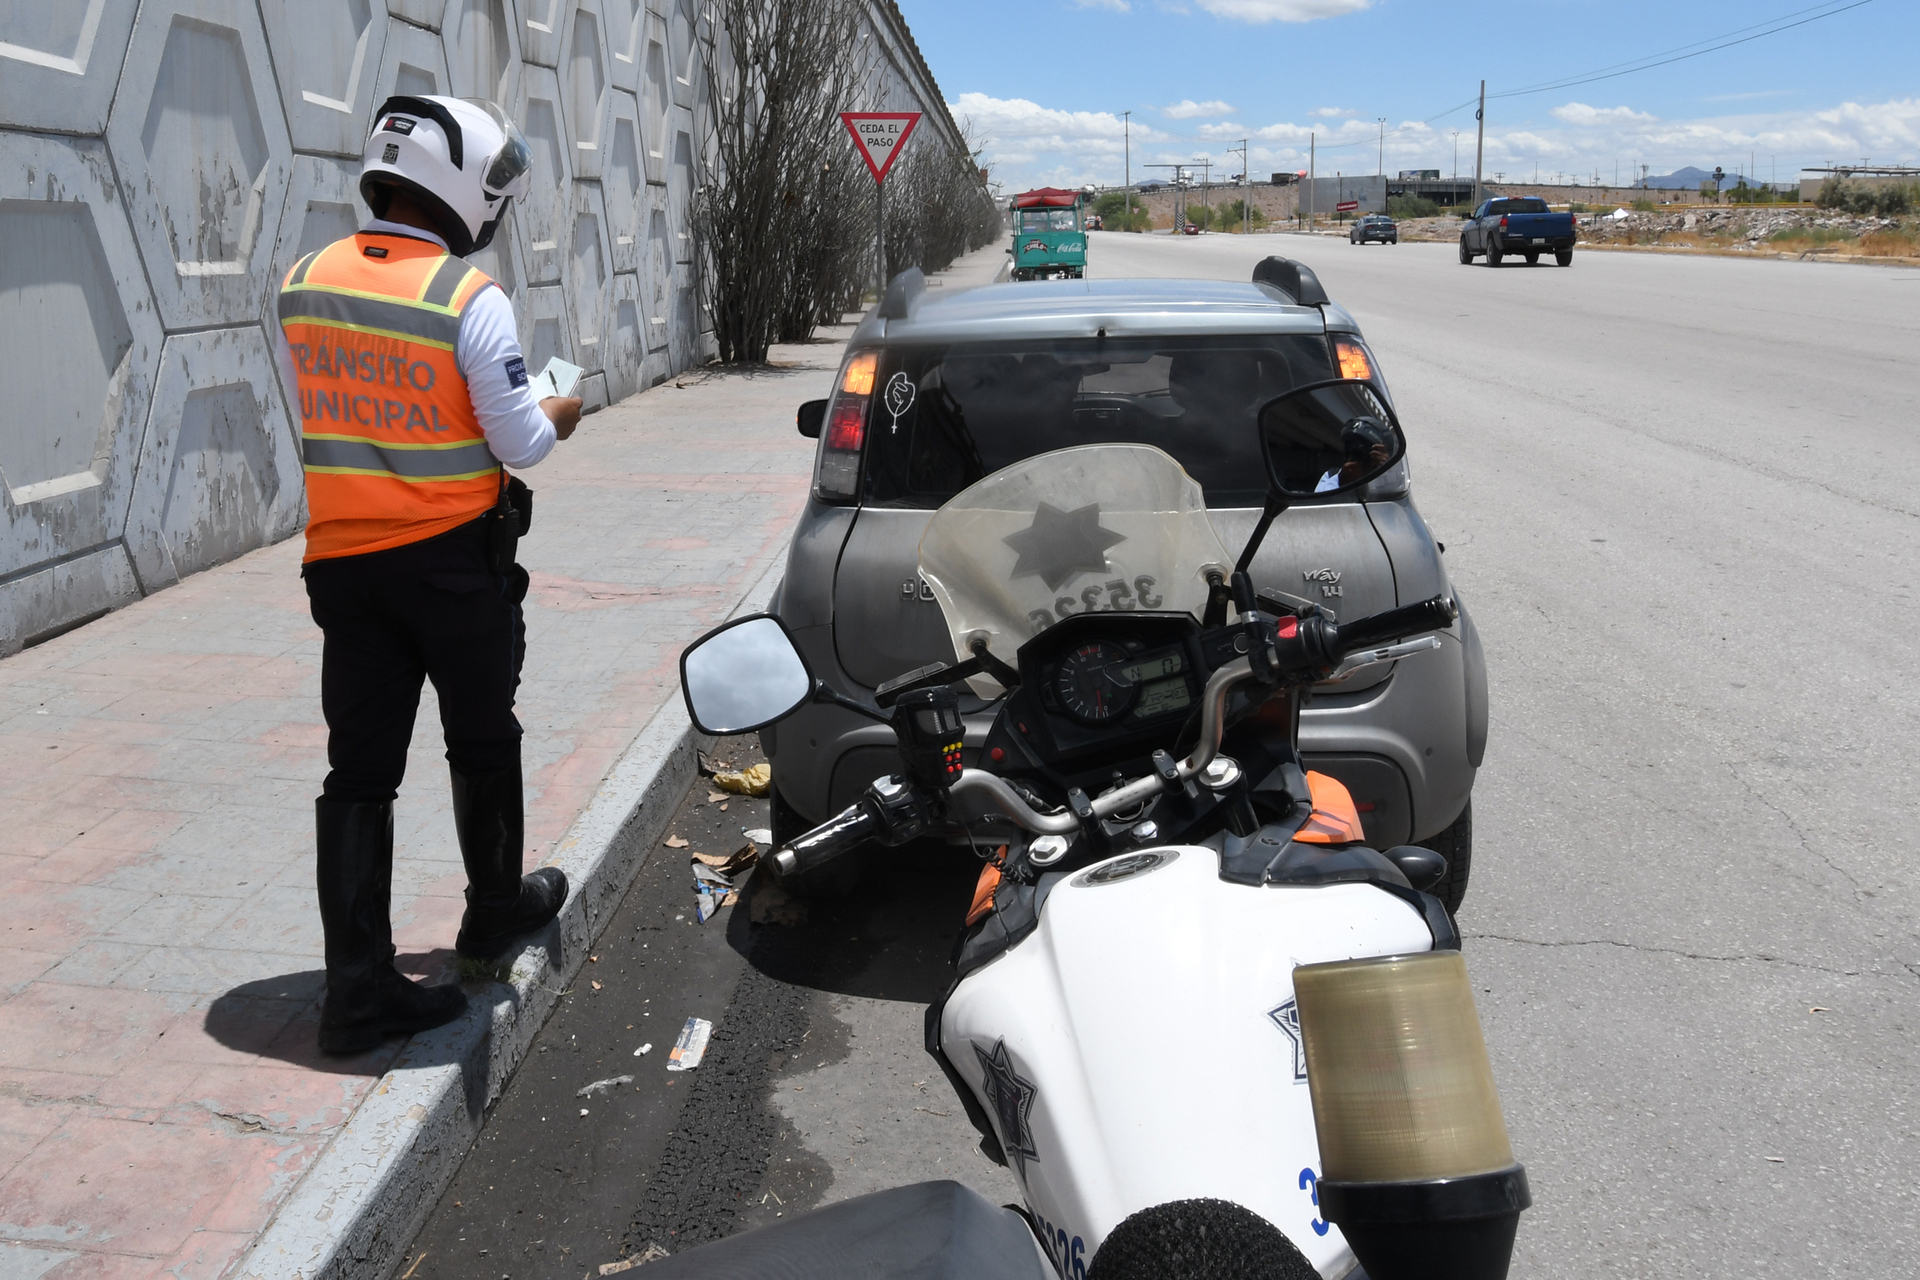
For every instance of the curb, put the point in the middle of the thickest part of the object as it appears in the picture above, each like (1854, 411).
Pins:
(359, 1205)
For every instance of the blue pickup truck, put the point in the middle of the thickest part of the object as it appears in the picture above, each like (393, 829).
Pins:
(1516, 224)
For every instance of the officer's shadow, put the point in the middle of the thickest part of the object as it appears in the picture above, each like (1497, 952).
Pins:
(279, 1018)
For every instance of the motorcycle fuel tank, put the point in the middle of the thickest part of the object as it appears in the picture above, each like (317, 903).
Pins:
(1142, 1045)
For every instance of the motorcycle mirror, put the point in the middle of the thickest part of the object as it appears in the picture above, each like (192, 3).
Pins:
(1328, 438)
(743, 676)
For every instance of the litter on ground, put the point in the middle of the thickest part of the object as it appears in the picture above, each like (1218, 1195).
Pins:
(691, 1047)
(602, 1086)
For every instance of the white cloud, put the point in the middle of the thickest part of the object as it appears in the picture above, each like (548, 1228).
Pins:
(1331, 113)
(1118, 6)
(1188, 109)
(1259, 11)
(1028, 144)
(1582, 114)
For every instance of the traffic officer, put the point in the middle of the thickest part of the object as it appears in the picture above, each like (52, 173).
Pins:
(413, 392)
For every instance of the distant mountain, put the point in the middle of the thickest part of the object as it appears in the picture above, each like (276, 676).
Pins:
(1690, 178)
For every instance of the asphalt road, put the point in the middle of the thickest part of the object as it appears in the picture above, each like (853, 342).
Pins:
(1679, 494)
(1682, 495)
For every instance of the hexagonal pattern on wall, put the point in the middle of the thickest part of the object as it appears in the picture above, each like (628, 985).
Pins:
(414, 62)
(540, 23)
(203, 156)
(327, 54)
(589, 276)
(59, 62)
(626, 340)
(548, 205)
(219, 471)
(626, 23)
(73, 297)
(625, 182)
(656, 271)
(323, 205)
(231, 134)
(483, 50)
(421, 13)
(543, 316)
(680, 183)
(588, 92)
(682, 52)
(656, 97)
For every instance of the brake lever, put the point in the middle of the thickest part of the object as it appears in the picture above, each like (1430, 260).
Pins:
(1389, 653)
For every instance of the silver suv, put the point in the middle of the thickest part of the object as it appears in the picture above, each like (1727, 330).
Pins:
(938, 390)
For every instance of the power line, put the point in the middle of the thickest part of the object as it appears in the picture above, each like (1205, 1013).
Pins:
(1644, 64)
(1647, 62)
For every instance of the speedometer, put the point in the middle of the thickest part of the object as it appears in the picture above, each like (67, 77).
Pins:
(1091, 684)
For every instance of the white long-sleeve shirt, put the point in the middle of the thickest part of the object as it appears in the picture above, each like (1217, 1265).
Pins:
(488, 356)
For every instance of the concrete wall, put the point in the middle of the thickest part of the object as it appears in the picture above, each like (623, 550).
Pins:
(163, 163)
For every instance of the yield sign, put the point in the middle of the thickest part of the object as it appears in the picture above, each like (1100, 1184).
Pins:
(880, 135)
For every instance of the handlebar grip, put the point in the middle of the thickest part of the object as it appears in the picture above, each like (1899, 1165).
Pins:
(1395, 624)
(851, 826)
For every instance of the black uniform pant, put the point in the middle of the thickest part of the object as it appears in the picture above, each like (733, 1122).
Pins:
(429, 610)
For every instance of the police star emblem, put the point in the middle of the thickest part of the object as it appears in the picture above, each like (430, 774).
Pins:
(1011, 1098)
(1287, 1018)
(1059, 544)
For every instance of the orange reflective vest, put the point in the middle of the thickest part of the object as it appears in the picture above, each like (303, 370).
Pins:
(393, 451)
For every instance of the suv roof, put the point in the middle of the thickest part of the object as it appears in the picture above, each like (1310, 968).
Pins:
(1082, 308)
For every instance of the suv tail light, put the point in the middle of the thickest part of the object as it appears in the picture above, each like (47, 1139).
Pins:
(1352, 359)
(1503, 222)
(836, 476)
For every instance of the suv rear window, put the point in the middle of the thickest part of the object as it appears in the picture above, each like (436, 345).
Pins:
(978, 407)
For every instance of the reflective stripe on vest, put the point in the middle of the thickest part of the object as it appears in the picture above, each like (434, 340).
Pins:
(393, 451)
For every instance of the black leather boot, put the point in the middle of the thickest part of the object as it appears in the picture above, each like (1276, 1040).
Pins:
(502, 904)
(368, 1000)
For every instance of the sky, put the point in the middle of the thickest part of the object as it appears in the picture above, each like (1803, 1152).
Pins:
(1042, 85)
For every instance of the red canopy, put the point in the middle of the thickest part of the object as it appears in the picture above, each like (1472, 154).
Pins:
(1045, 198)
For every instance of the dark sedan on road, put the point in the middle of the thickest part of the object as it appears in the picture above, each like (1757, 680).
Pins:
(940, 388)
(1375, 226)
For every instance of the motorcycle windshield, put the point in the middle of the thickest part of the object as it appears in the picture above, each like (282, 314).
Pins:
(1086, 530)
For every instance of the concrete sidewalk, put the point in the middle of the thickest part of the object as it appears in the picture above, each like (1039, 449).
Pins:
(163, 1108)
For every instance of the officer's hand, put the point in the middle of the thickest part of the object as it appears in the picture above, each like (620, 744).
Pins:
(563, 412)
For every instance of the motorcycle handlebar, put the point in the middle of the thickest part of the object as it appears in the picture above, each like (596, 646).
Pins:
(835, 836)
(1395, 624)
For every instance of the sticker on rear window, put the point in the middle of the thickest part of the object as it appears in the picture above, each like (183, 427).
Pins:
(517, 372)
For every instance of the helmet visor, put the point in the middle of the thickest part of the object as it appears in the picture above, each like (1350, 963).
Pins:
(513, 162)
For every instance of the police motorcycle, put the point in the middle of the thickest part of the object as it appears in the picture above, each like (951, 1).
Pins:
(1212, 1033)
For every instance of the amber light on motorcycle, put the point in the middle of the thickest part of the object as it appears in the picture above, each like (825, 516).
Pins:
(837, 475)
(1416, 1167)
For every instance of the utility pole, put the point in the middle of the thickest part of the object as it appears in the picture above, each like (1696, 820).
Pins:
(1310, 177)
(1380, 166)
(1126, 135)
(1456, 155)
(1479, 142)
(1246, 190)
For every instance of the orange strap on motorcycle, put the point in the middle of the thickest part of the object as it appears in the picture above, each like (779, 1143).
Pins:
(983, 890)
(1335, 820)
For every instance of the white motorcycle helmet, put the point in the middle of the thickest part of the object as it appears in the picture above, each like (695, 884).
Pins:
(461, 159)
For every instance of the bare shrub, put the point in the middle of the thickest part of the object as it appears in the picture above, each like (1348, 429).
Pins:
(782, 218)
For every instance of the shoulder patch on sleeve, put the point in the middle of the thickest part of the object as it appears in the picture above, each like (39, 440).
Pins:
(517, 372)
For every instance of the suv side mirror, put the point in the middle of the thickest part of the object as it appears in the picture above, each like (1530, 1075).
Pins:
(743, 676)
(809, 417)
(1328, 438)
